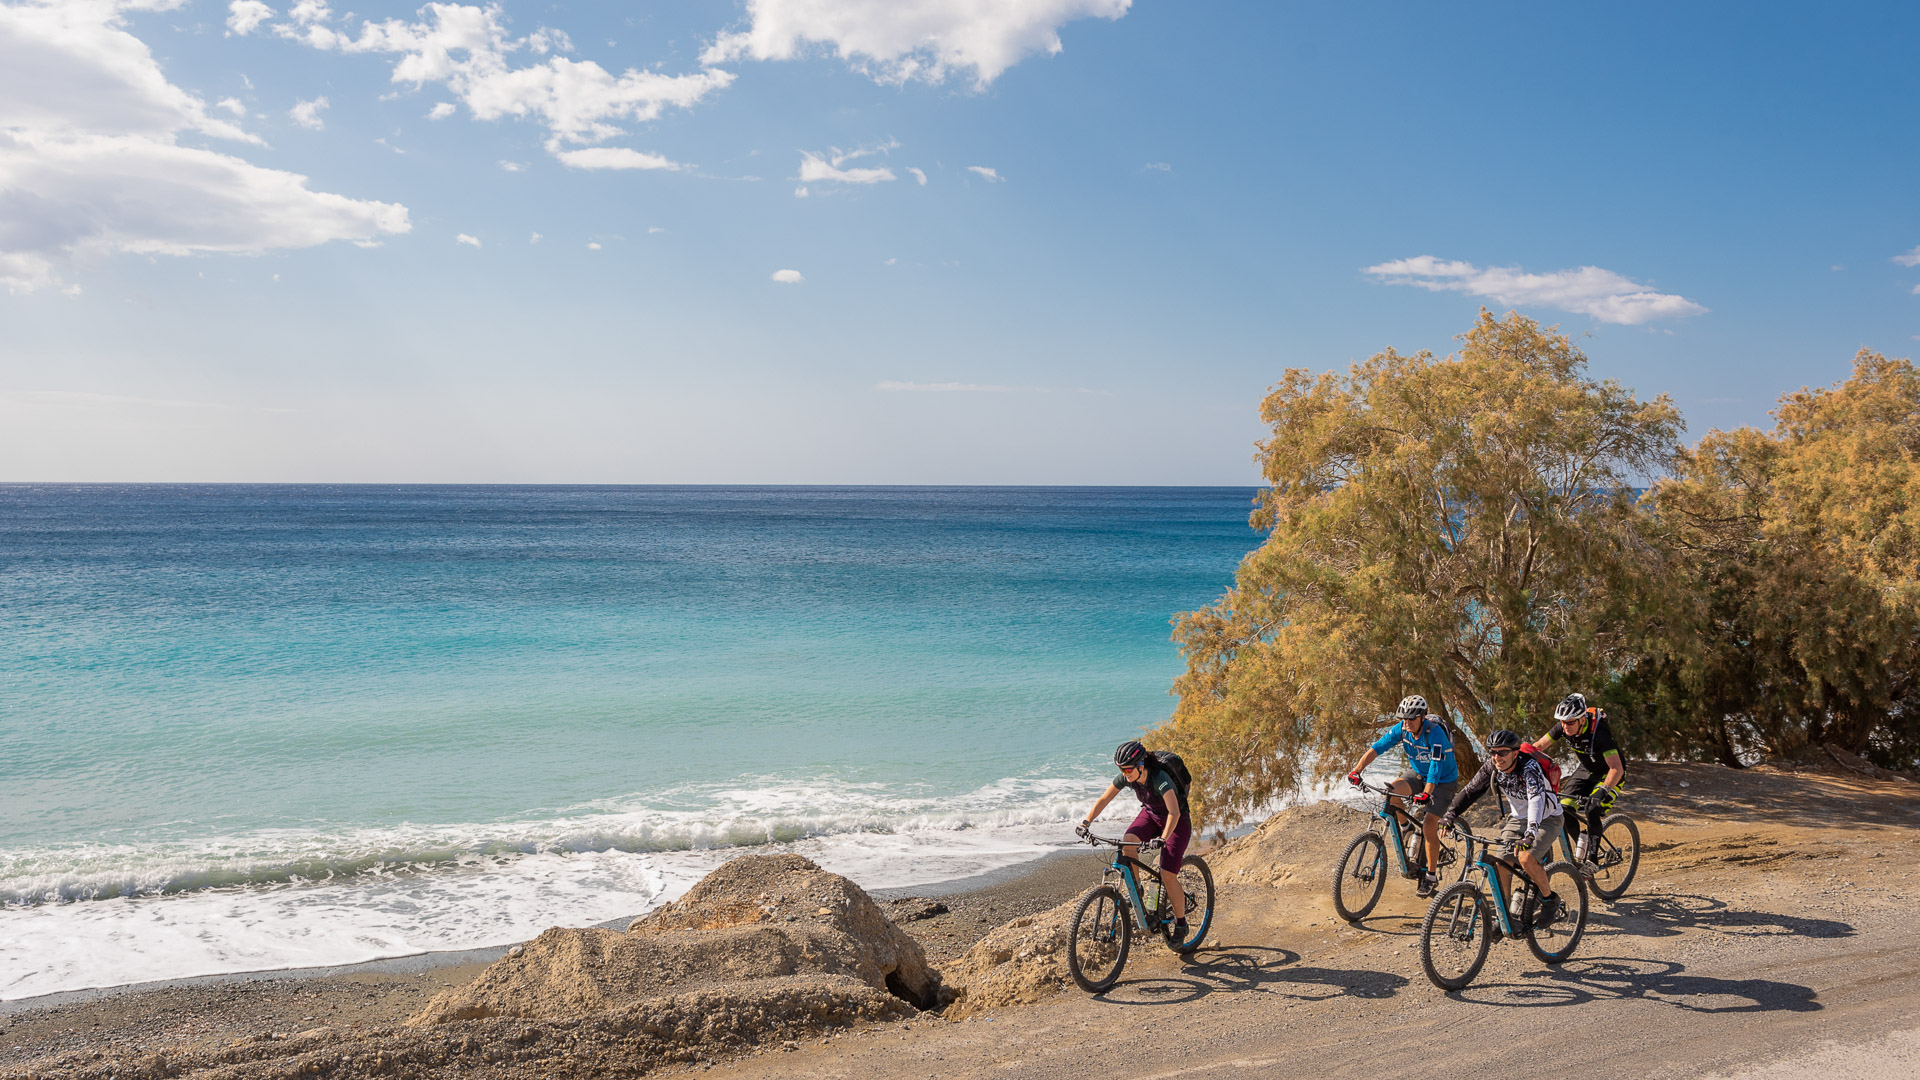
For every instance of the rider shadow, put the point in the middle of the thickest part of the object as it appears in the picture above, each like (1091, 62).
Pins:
(1670, 914)
(1239, 969)
(1660, 981)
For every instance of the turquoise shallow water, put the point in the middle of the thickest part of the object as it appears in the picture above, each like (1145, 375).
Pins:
(549, 702)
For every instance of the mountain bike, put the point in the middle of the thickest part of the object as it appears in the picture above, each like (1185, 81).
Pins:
(1361, 874)
(1616, 855)
(1472, 913)
(1102, 928)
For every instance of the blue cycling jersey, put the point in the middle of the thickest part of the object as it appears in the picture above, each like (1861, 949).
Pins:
(1429, 755)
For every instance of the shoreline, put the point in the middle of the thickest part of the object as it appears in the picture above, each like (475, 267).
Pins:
(982, 896)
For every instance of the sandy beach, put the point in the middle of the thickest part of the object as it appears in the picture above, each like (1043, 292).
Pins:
(1769, 928)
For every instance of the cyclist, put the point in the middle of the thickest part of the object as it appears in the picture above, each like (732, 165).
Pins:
(1162, 821)
(1430, 777)
(1585, 732)
(1533, 814)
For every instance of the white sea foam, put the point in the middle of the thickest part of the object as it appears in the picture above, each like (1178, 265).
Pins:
(104, 915)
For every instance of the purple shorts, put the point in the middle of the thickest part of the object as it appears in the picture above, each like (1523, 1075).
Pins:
(1146, 826)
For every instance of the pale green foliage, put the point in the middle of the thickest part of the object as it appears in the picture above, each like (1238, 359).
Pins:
(1459, 528)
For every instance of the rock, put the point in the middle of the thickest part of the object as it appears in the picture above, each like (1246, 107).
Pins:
(1019, 963)
(916, 908)
(718, 934)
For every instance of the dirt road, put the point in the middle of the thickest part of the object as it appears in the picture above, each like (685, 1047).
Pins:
(1773, 926)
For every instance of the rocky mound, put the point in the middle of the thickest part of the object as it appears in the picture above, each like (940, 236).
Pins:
(757, 917)
(1018, 963)
(1298, 842)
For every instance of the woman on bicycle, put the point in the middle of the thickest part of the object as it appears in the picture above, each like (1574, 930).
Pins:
(1431, 772)
(1595, 754)
(1533, 813)
(1162, 817)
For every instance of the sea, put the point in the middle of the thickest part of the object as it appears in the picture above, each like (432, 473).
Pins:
(246, 728)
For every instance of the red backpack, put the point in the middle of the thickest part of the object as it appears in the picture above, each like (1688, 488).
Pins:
(1546, 765)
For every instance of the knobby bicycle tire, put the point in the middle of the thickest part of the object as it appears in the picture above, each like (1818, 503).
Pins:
(1196, 880)
(1462, 916)
(1618, 862)
(1366, 874)
(1102, 928)
(1554, 943)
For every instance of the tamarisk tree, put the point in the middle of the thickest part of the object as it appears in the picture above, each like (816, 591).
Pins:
(1461, 528)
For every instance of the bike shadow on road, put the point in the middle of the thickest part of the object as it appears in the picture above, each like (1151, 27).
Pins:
(1664, 982)
(1257, 969)
(1671, 914)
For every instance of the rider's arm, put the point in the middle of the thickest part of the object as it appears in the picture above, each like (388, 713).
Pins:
(1366, 759)
(1538, 792)
(1616, 771)
(1101, 804)
(1544, 741)
(1173, 817)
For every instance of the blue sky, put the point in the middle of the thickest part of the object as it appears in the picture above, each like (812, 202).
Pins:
(1119, 244)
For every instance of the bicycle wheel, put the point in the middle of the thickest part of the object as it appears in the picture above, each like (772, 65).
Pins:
(1555, 941)
(1455, 935)
(1098, 939)
(1196, 881)
(1618, 856)
(1359, 877)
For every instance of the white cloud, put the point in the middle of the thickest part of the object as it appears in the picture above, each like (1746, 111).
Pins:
(440, 111)
(801, 192)
(593, 245)
(815, 168)
(307, 113)
(1157, 166)
(614, 157)
(989, 175)
(245, 16)
(534, 239)
(1911, 258)
(1916, 290)
(788, 277)
(651, 229)
(895, 41)
(467, 49)
(1588, 290)
(232, 105)
(463, 238)
(513, 166)
(90, 162)
(918, 175)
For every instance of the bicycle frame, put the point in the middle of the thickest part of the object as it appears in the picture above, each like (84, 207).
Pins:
(1580, 806)
(1122, 868)
(1481, 860)
(1387, 813)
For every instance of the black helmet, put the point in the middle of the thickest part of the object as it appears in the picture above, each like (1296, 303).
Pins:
(1411, 706)
(1130, 754)
(1503, 740)
(1570, 706)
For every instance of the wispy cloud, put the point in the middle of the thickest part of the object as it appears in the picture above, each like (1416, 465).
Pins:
(615, 157)
(991, 176)
(918, 175)
(827, 167)
(307, 113)
(1588, 290)
(1911, 258)
(1156, 166)
(440, 111)
(463, 238)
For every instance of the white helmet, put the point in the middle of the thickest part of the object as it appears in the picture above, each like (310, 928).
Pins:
(1411, 706)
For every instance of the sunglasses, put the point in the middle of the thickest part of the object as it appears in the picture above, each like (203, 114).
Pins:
(1503, 753)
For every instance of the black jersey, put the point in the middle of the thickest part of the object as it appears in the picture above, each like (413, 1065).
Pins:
(1591, 746)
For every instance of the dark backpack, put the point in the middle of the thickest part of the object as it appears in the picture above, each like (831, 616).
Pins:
(1169, 762)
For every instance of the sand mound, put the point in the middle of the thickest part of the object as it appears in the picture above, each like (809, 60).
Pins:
(1018, 963)
(757, 917)
(1301, 841)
